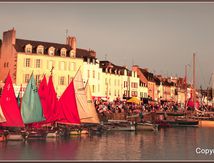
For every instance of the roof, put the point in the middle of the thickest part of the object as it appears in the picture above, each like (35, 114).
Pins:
(149, 76)
(80, 53)
(114, 68)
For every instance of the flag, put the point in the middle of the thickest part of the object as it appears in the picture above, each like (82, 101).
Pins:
(31, 109)
(67, 106)
(9, 105)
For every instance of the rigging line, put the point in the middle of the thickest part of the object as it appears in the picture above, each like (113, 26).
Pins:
(200, 70)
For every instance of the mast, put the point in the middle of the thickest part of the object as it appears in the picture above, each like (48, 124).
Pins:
(194, 95)
(185, 86)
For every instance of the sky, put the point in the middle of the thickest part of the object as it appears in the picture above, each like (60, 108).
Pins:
(159, 36)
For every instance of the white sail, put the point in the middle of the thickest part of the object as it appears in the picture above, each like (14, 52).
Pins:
(80, 93)
(91, 106)
(2, 117)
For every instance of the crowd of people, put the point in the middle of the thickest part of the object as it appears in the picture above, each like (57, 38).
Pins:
(108, 109)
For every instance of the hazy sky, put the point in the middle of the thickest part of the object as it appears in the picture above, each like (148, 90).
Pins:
(159, 36)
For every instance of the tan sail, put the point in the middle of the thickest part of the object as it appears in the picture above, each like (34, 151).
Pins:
(91, 107)
(2, 117)
(80, 93)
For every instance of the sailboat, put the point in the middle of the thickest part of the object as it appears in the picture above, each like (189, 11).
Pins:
(31, 108)
(9, 107)
(91, 107)
(81, 98)
(68, 116)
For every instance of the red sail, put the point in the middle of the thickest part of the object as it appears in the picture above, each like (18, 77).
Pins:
(43, 95)
(67, 106)
(51, 102)
(10, 106)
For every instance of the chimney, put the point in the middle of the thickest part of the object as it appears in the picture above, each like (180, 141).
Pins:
(72, 42)
(9, 37)
(92, 53)
(135, 67)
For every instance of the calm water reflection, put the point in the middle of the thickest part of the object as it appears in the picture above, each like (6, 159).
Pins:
(167, 144)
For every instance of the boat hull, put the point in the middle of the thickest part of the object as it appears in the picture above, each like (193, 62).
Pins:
(14, 137)
(146, 127)
(206, 123)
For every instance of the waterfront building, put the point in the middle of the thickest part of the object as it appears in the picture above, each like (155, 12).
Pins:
(118, 81)
(22, 57)
(92, 74)
(147, 78)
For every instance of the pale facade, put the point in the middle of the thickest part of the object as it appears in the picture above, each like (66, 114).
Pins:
(64, 69)
(143, 90)
(93, 75)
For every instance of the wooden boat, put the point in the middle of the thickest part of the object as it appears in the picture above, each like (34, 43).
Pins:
(52, 135)
(36, 135)
(120, 125)
(10, 114)
(14, 137)
(147, 126)
(182, 123)
(79, 132)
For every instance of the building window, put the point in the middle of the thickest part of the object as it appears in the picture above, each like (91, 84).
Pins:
(98, 88)
(26, 78)
(38, 63)
(93, 74)
(88, 73)
(93, 88)
(88, 60)
(63, 52)
(27, 62)
(40, 49)
(51, 51)
(28, 48)
(98, 76)
(50, 65)
(72, 66)
(37, 77)
(72, 53)
(61, 80)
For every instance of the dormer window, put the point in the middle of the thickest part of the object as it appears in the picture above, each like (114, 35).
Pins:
(40, 49)
(28, 48)
(63, 52)
(72, 53)
(88, 60)
(51, 51)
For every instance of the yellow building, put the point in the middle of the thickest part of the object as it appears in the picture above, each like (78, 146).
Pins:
(92, 74)
(22, 57)
(118, 81)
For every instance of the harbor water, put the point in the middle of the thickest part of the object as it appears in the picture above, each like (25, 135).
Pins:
(184, 143)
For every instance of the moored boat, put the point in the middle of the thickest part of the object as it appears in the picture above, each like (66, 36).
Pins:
(146, 127)
(120, 125)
